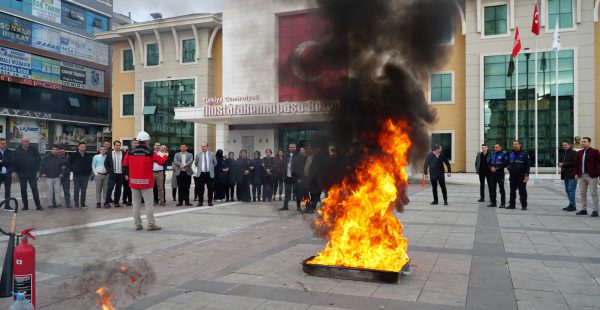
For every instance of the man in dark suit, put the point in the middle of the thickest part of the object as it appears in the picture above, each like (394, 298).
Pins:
(568, 168)
(81, 166)
(483, 170)
(434, 164)
(587, 174)
(27, 164)
(114, 166)
(5, 170)
(292, 167)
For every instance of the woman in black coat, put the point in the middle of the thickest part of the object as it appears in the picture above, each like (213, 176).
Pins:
(256, 178)
(221, 180)
(243, 177)
(269, 175)
(231, 176)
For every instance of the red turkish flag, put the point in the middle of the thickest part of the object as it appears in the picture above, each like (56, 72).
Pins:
(303, 75)
(535, 26)
(517, 44)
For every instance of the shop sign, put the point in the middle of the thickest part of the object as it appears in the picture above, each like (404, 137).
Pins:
(283, 108)
(14, 29)
(45, 38)
(15, 63)
(47, 9)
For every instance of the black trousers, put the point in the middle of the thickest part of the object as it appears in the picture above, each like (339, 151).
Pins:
(256, 192)
(7, 180)
(434, 184)
(278, 184)
(243, 192)
(80, 184)
(205, 180)
(291, 187)
(126, 192)
(229, 191)
(183, 184)
(30, 178)
(268, 191)
(497, 179)
(518, 182)
(115, 182)
(482, 178)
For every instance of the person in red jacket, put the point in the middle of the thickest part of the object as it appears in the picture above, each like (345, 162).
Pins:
(587, 174)
(138, 170)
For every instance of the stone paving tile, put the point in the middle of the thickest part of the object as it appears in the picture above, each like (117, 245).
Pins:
(538, 300)
(354, 288)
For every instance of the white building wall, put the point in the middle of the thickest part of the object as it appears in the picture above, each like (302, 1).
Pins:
(581, 40)
(263, 139)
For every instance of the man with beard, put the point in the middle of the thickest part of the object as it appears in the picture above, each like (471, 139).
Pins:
(518, 167)
(497, 162)
(293, 164)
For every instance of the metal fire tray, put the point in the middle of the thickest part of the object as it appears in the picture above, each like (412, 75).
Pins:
(352, 273)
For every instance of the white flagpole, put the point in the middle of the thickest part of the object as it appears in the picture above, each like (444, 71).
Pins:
(556, 109)
(517, 97)
(536, 106)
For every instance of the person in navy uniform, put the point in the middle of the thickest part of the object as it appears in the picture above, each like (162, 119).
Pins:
(497, 161)
(518, 167)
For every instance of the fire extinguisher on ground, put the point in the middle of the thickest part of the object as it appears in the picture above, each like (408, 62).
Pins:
(24, 266)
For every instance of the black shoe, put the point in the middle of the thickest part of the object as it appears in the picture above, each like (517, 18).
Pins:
(445, 203)
(9, 209)
(481, 200)
(84, 206)
(524, 208)
(117, 205)
(282, 209)
(492, 205)
(98, 206)
(570, 209)
(210, 204)
(582, 212)
(39, 208)
(280, 199)
(106, 205)
(195, 198)
(199, 204)
(434, 203)
(68, 206)
(511, 207)
(179, 204)
(227, 200)
(595, 214)
(25, 208)
(188, 204)
(128, 204)
(502, 206)
(566, 208)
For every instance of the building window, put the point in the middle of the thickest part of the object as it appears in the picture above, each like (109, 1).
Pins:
(496, 20)
(446, 140)
(128, 60)
(160, 99)
(444, 32)
(440, 88)
(248, 145)
(499, 102)
(152, 54)
(563, 10)
(127, 105)
(188, 50)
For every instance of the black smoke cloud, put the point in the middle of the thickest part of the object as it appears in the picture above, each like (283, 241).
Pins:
(388, 47)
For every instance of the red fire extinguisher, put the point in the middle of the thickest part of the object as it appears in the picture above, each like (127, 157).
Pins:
(24, 266)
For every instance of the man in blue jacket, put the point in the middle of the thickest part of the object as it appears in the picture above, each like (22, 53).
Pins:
(497, 163)
(518, 167)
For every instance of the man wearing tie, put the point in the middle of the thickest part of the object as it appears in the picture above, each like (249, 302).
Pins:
(5, 170)
(205, 163)
(114, 167)
(291, 177)
(182, 169)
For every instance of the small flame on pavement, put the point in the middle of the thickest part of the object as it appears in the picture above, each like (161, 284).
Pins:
(105, 296)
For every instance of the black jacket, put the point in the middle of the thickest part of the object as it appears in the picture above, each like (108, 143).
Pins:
(65, 168)
(257, 173)
(220, 175)
(7, 159)
(269, 163)
(81, 165)
(26, 161)
(109, 164)
(232, 172)
(499, 161)
(297, 166)
(435, 165)
(243, 164)
(518, 163)
(569, 160)
(50, 166)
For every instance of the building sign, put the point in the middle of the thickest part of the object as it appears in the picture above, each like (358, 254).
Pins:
(45, 38)
(45, 69)
(71, 135)
(30, 82)
(72, 75)
(15, 63)
(100, 53)
(231, 99)
(36, 130)
(266, 109)
(94, 80)
(73, 16)
(47, 9)
(14, 29)
(76, 46)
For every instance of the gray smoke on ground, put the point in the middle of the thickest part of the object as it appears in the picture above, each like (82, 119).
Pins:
(387, 48)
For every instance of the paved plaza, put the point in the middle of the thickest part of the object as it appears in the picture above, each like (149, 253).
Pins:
(248, 256)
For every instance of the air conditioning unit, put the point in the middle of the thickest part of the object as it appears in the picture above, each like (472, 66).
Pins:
(106, 129)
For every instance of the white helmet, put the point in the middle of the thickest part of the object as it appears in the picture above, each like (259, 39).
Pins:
(143, 136)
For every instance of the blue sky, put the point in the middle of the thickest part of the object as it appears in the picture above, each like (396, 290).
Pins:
(141, 9)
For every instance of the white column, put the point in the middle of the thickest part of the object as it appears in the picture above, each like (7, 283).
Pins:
(222, 136)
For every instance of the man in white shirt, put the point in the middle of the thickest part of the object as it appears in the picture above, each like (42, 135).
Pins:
(159, 177)
(205, 163)
(114, 166)
(101, 177)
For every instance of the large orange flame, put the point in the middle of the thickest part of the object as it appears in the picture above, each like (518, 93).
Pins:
(358, 214)
(104, 298)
